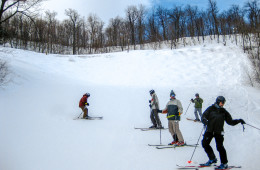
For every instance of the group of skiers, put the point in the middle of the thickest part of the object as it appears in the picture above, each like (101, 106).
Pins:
(212, 118)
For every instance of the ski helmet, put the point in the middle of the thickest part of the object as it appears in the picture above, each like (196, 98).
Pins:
(220, 99)
(197, 94)
(151, 91)
(87, 94)
(172, 93)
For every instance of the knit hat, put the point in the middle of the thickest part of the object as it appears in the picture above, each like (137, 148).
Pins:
(172, 93)
(151, 91)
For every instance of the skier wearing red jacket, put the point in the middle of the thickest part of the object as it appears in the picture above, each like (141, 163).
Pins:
(83, 103)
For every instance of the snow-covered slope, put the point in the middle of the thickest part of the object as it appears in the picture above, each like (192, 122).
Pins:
(38, 106)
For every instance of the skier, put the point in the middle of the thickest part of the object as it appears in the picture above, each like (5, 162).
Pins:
(83, 103)
(214, 117)
(198, 106)
(154, 105)
(174, 110)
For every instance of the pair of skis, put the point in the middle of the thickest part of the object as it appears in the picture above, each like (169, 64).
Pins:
(203, 166)
(147, 129)
(172, 146)
(90, 118)
(194, 120)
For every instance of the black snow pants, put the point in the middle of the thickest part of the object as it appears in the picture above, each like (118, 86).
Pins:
(219, 144)
(155, 118)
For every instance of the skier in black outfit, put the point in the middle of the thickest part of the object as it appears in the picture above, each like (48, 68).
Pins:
(214, 117)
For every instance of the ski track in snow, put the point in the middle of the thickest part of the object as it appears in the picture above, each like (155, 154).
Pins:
(38, 106)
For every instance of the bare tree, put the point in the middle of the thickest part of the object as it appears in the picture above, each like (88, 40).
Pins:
(100, 36)
(132, 15)
(141, 13)
(40, 34)
(152, 27)
(9, 9)
(162, 14)
(74, 22)
(85, 37)
(200, 25)
(113, 31)
(191, 13)
(176, 14)
(51, 30)
(253, 12)
(95, 28)
(213, 12)
(251, 36)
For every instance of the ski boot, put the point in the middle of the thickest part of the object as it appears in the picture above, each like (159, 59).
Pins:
(210, 162)
(223, 166)
(173, 143)
(159, 127)
(154, 126)
(180, 143)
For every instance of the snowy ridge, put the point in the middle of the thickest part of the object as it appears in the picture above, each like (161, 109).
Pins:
(38, 106)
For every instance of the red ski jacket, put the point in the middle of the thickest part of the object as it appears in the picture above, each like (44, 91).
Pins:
(83, 100)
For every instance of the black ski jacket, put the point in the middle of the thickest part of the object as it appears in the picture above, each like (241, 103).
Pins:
(215, 118)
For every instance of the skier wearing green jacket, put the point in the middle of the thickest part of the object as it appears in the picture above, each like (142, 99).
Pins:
(198, 106)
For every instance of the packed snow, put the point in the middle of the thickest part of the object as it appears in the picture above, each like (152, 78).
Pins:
(40, 101)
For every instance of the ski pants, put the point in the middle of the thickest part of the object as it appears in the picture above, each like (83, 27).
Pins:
(196, 111)
(219, 144)
(85, 110)
(174, 129)
(155, 118)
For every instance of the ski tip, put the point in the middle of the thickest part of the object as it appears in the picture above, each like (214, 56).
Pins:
(229, 167)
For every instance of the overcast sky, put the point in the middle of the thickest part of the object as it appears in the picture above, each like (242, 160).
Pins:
(106, 9)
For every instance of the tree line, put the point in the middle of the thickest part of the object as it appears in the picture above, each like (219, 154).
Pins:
(22, 27)
(140, 26)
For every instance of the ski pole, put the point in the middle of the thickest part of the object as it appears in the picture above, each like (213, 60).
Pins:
(160, 135)
(196, 146)
(175, 134)
(187, 108)
(80, 115)
(252, 126)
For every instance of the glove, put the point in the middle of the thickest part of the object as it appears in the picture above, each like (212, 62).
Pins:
(87, 104)
(192, 100)
(149, 101)
(150, 106)
(205, 122)
(159, 111)
(242, 121)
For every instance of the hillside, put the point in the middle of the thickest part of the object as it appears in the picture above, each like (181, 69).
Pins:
(39, 103)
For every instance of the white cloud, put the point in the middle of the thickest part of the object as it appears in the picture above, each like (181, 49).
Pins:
(104, 9)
